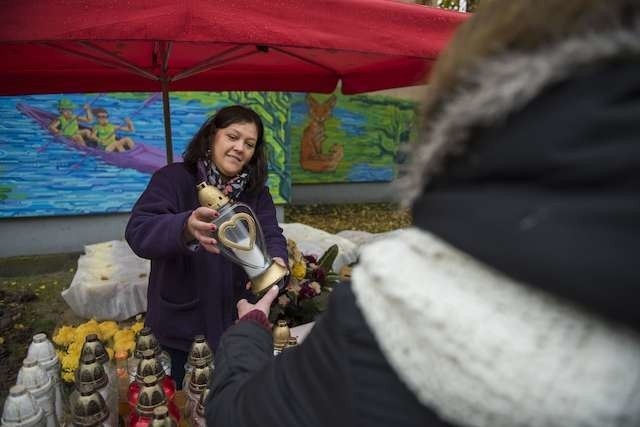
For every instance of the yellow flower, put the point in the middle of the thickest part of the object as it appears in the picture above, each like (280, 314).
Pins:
(137, 327)
(107, 329)
(68, 376)
(65, 336)
(71, 361)
(124, 335)
(124, 345)
(299, 270)
(87, 328)
(110, 352)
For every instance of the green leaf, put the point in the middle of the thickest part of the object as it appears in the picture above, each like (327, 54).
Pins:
(326, 260)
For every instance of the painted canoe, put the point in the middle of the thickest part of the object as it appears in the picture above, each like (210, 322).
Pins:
(141, 158)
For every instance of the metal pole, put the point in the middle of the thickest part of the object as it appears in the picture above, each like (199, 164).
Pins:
(167, 119)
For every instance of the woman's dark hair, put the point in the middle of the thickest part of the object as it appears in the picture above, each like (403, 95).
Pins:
(198, 148)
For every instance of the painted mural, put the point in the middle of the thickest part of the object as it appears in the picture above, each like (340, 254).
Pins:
(339, 138)
(102, 162)
(48, 168)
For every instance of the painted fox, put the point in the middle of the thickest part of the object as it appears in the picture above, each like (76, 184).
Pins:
(312, 157)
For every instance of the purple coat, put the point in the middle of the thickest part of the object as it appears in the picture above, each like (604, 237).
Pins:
(190, 292)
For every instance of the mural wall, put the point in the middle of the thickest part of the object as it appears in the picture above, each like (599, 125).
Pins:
(311, 139)
(355, 138)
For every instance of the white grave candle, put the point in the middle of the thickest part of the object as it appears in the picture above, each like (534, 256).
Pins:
(253, 256)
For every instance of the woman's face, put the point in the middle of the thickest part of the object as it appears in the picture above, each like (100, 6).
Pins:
(233, 147)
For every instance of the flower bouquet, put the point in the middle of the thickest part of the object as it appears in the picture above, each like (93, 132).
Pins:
(310, 285)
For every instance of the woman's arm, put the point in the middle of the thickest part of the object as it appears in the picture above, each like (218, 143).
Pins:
(156, 226)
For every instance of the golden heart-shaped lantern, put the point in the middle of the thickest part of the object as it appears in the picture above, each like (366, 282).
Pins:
(241, 240)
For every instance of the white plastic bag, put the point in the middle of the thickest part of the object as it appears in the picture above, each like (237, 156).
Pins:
(110, 283)
(313, 241)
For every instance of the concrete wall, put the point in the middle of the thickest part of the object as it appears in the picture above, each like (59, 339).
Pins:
(47, 235)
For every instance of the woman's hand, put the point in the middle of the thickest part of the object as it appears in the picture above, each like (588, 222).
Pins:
(264, 304)
(200, 227)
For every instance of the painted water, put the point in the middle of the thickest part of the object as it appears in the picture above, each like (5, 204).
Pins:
(40, 176)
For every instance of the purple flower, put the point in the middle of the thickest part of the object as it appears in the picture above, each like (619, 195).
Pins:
(306, 292)
(311, 259)
(319, 275)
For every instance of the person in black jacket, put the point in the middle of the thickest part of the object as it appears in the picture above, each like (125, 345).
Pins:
(513, 299)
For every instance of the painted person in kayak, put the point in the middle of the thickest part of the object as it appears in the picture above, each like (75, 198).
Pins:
(104, 133)
(67, 123)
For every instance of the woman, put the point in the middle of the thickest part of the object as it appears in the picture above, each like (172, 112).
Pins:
(513, 299)
(192, 288)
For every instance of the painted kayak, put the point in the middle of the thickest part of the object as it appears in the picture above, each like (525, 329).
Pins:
(141, 157)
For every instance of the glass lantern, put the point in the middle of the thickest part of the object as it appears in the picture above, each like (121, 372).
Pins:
(240, 239)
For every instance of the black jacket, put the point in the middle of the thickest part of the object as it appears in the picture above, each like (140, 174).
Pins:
(336, 377)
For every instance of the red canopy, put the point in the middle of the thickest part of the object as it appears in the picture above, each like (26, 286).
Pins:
(51, 46)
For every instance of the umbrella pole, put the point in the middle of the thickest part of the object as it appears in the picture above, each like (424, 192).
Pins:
(167, 120)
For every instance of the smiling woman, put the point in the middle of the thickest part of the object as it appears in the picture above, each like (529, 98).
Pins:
(192, 289)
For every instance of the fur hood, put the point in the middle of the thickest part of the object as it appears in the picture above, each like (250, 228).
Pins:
(483, 350)
(476, 345)
(502, 85)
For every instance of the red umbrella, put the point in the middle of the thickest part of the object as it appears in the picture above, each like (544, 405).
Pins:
(51, 46)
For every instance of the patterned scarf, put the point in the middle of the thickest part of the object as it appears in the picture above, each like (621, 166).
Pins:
(231, 187)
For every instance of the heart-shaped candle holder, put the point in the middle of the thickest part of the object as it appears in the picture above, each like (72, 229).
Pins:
(241, 240)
